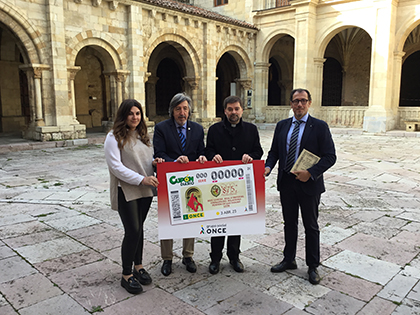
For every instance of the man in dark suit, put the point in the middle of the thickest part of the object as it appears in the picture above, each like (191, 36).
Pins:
(231, 139)
(301, 188)
(179, 140)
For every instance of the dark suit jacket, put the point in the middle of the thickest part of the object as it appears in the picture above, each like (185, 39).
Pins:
(317, 139)
(232, 143)
(167, 145)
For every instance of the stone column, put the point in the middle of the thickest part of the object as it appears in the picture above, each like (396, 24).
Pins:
(108, 100)
(317, 90)
(245, 85)
(396, 90)
(344, 84)
(151, 94)
(72, 71)
(193, 84)
(135, 59)
(208, 81)
(304, 68)
(34, 74)
(379, 116)
(261, 88)
(120, 77)
(31, 91)
(61, 114)
(39, 118)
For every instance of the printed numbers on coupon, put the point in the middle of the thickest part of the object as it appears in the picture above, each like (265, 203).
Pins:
(227, 173)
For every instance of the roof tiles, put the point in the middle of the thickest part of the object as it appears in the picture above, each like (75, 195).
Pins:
(187, 8)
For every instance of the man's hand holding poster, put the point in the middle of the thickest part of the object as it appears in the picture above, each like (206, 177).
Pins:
(199, 200)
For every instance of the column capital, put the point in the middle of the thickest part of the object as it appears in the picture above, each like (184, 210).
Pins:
(192, 81)
(399, 54)
(245, 83)
(35, 68)
(319, 61)
(119, 75)
(262, 65)
(149, 78)
(72, 71)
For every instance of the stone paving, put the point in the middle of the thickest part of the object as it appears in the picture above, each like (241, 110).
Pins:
(60, 241)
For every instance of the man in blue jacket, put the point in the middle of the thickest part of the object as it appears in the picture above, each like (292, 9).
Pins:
(179, 140)
(302, 188)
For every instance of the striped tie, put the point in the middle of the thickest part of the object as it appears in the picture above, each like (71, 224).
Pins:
(182, 138)
(291, 155)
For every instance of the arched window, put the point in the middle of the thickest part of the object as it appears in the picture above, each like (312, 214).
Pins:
(410, 81)
(332, 83)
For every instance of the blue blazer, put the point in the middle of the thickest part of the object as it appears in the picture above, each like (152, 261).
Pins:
(317, 139)
(167, 145)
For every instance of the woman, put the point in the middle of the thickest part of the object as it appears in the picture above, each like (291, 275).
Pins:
(129, 156)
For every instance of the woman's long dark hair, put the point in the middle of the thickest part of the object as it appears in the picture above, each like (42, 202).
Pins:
(121, 129)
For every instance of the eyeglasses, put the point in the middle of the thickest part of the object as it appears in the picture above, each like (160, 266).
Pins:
(296, 102)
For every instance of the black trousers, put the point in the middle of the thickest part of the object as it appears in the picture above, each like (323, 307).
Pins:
(133, 214)
(217, 244)
(292, 197)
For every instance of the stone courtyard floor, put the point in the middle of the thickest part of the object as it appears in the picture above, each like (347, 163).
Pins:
(60, 241)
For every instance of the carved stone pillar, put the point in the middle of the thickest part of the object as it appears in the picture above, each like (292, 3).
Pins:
(193, 84)
(246, 84)
(120, 78)
(31, 91)
(39, 118)
(151, 94)
(317, 92)
(118, 95)
(34, 73)
(396, 86)
(261, 88)
(72, 71)
(108, 98)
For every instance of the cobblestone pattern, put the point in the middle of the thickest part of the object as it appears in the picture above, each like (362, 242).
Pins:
(60, 241)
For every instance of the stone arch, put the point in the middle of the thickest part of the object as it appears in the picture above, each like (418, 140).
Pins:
(405, 30)
(271, 39)
(327, 34)
(348, 45)
(181, 44)
(233, 70)
(116, 54)
(283, 64)
(407, 59)
(95, 111)
(30, 38)
(179, 53)
(287, 68)
(241, 58)
(24, 86)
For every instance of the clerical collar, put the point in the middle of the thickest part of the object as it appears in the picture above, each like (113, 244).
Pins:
(229, 124)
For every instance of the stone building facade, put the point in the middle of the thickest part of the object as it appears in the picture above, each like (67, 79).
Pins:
(67, 64)
(360, 59)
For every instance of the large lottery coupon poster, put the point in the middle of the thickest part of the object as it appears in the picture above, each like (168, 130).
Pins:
(198, 200)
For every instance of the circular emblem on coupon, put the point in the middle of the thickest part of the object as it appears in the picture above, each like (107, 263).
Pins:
(215, 190)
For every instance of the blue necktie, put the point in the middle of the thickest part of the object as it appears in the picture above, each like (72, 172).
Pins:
(291, 155)
(182, 138)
